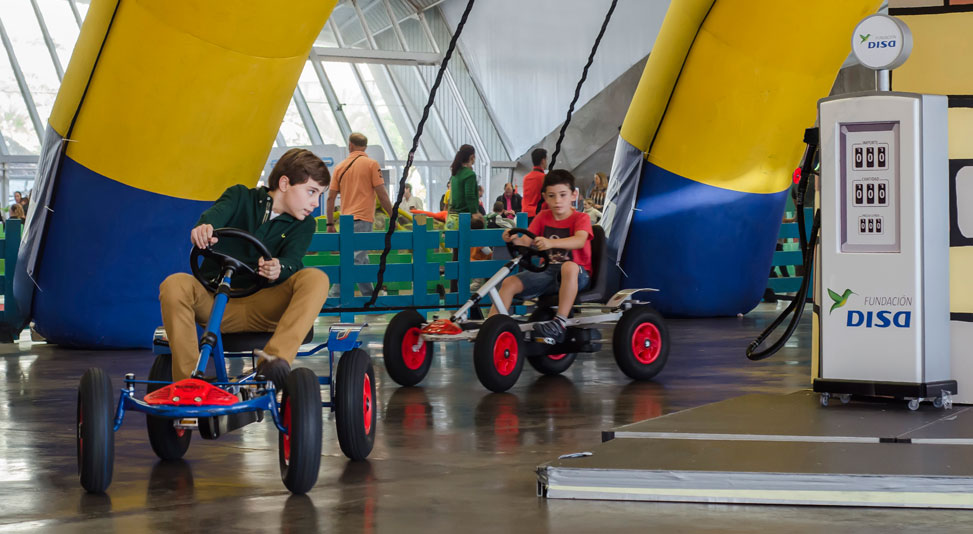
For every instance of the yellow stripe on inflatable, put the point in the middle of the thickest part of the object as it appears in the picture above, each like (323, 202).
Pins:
(82, 59)
(960, 282)
(748, 90)
(661, 72)
(940, 62)
(961, 132)
(180, 105)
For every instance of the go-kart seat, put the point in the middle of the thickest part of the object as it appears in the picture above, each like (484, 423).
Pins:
(247, 341)
(604, 275)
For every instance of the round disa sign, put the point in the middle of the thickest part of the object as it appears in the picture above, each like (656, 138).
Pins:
(881, 42)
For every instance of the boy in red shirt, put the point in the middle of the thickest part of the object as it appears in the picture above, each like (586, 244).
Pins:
(567, 234)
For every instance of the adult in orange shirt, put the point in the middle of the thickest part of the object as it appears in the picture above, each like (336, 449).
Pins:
(533, 181)
(358, 180)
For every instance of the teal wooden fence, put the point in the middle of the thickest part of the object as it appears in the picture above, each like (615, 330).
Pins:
(10, 244)
(789, 260)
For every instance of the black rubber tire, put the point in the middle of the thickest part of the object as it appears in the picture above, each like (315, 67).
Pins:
(399, 327)
(355, 406)
(303, 397)
(166, 441)
(506, 331)
(622, 339)
(543, 363)
(95, 431)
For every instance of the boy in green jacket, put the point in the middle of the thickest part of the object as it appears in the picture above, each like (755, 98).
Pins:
(280, 217)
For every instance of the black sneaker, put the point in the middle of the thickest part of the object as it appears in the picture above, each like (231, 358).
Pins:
(275, 370)
(552, 330)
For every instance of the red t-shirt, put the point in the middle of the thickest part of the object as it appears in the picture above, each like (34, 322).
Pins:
(544, 224)
(532, 190)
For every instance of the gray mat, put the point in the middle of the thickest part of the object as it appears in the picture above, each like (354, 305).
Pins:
(800, 417)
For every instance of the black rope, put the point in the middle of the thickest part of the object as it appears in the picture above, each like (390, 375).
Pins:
(577, 90)
(415, 146)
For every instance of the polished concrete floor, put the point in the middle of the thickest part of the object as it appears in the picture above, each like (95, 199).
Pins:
(449, 455)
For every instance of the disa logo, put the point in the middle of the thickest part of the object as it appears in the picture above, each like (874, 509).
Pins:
(872, 319)
(883, 43)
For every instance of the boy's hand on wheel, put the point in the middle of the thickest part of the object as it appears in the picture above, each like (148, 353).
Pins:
(542, 243)
(269, 269)
(202, 236)
(506, 235)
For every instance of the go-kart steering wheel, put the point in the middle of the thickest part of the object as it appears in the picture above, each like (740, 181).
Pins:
(229, 262)
(527, 254)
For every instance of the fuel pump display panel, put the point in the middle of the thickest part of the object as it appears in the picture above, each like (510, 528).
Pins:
(869, 187)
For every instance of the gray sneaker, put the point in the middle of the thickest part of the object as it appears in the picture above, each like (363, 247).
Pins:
(552, 330)
(272, 368)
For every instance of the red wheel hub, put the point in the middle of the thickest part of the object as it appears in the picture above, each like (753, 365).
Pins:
(646, 343)
(413, 358)
(505, 353)
(367, 404)
(287, 435)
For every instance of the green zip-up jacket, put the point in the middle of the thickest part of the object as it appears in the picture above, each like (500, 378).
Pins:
(285, 237)
(463, 197)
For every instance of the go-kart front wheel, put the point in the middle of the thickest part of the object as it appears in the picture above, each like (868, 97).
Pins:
(168, 442)
(299, 449)
(95, 431)
(497, 355)
(355, 404)
(641, 343)
(406, 359)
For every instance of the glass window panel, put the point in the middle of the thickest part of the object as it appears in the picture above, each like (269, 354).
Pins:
(415, 37)
(292, 128)
(32, 54)
(82, 7)
(317, 103)
(388, 110)
(62, 26)
(15, 123)
(326, 38)
(351, 100)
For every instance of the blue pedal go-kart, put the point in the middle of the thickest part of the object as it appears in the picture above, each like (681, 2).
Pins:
(216, 405)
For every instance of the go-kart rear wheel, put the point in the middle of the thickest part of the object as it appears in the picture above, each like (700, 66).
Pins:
(299, 450)
(406, 360)
(641, 343)
(168, 442)
(497, 355)
(95, 431)
(355, 404)
(549, 364)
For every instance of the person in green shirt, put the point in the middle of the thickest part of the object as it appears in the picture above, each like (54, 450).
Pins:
(462, 186)
(280, 217)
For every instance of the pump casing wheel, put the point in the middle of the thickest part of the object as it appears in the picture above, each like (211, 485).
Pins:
(95, 431)
(497, 353)
(299, 450)
(168, 442)
(641, 343)
(355, 404)
(549, 364)
(404, 362)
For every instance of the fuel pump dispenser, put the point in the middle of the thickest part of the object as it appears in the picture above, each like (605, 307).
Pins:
(881, 262)
(882, 279)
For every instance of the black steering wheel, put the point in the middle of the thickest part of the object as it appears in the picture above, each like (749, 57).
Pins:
(229, 262)
(527, 254)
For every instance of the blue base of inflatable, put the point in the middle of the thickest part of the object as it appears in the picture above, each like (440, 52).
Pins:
(708, 250)
(146, 234)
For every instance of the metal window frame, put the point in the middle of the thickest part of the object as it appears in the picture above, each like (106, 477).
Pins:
(48, 40)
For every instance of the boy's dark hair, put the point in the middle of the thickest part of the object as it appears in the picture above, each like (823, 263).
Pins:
(558, 177)
(299, 165)
(537, 156)
(497, 207)
(477, 222)
(462, 157)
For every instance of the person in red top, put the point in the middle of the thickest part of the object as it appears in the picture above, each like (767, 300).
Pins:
(567, 234)
(533, 181)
